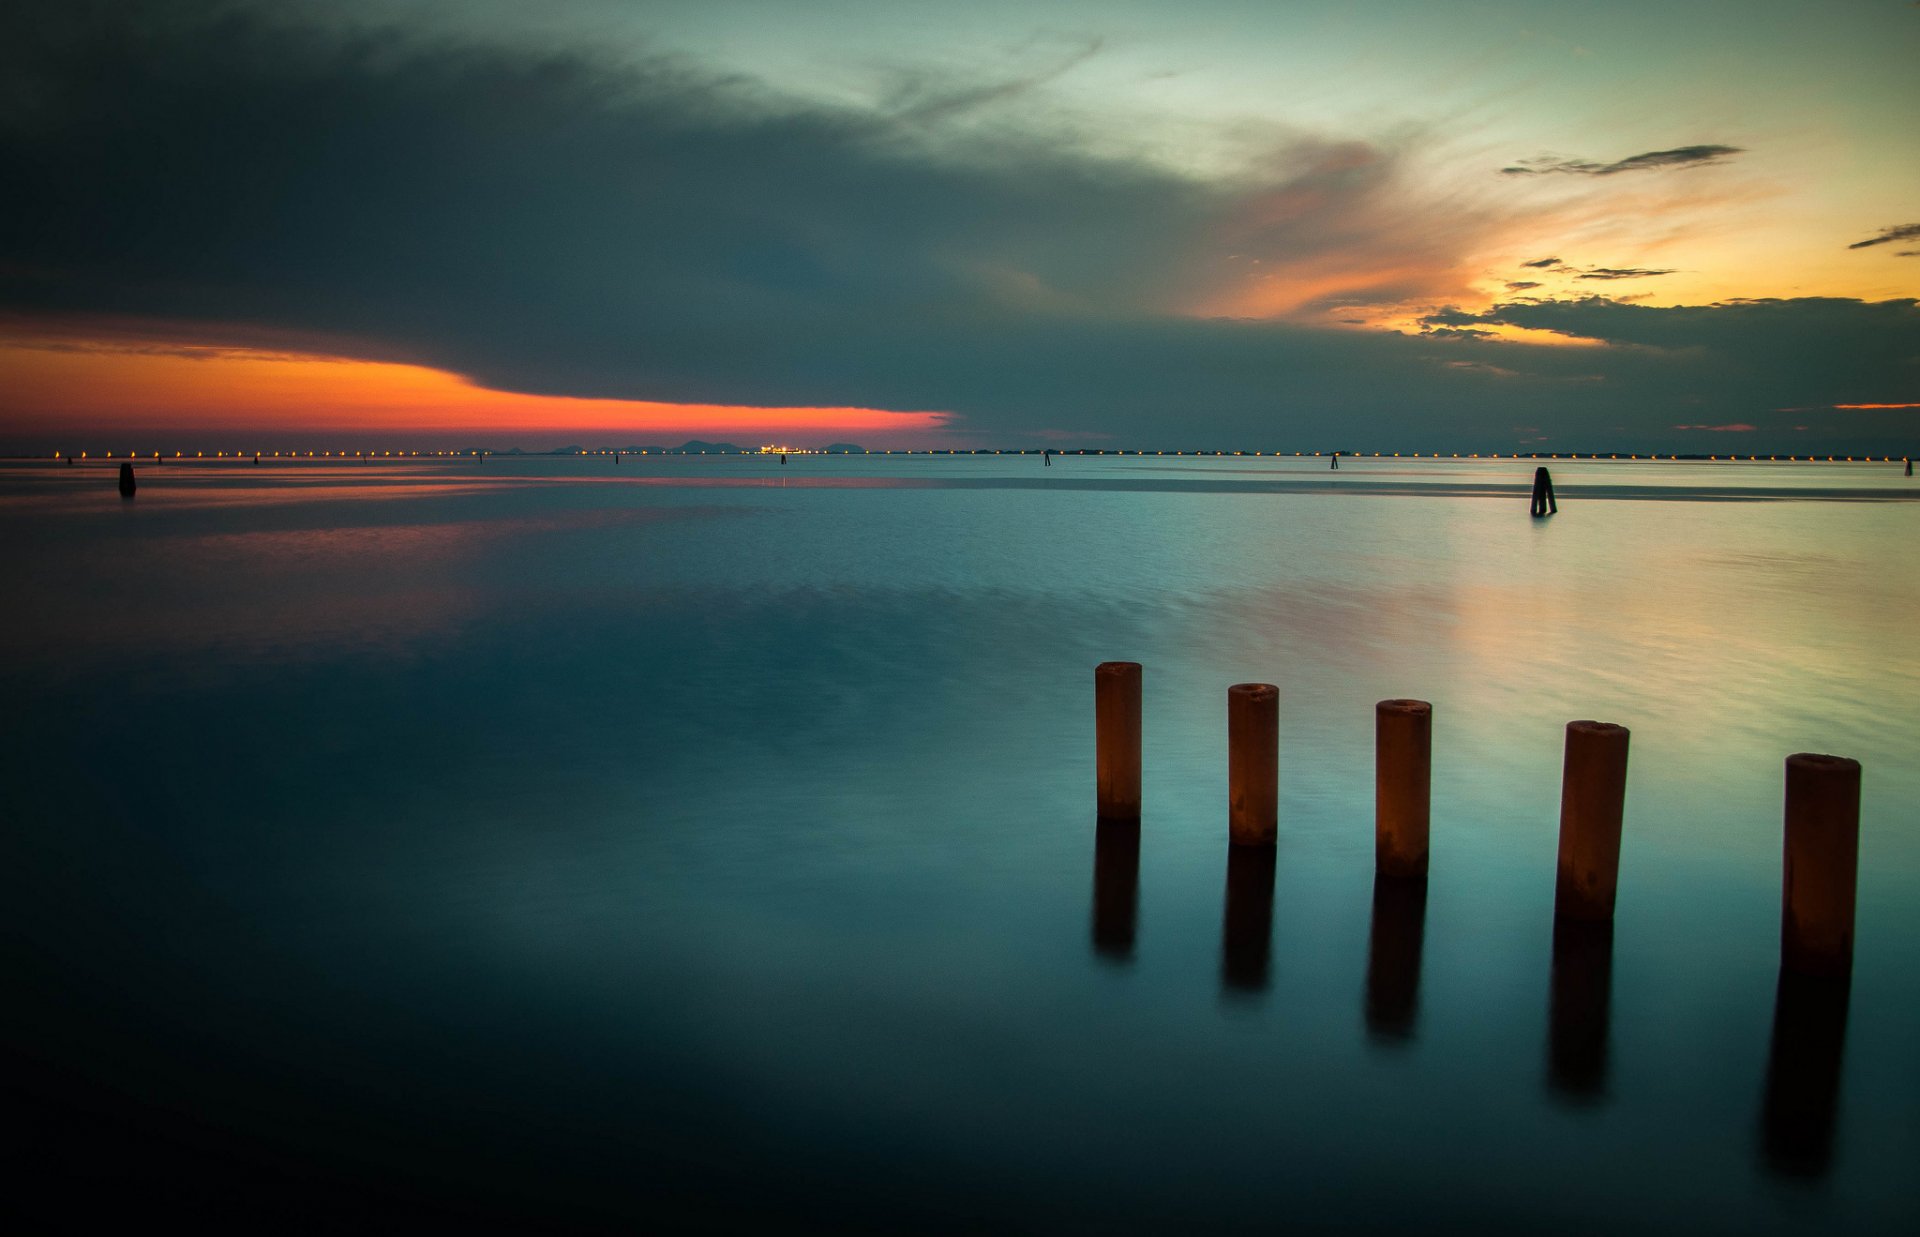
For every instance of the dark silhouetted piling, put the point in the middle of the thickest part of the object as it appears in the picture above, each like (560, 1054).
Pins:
(1402, 780)
(1116, 724)
(1253, 763)
(1822, 858)
(127, 484)
(1909, 465)
(1116, 888)
(1394, 944)
(1802, 1098)
(1543, 502)
(1246, 928)
(1593, 794)
(1336, 462)
(1580, 993)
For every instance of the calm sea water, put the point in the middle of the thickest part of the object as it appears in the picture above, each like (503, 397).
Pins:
(710, 841)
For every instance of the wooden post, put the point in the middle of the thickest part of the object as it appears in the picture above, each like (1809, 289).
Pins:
(1822, 857)
(1543, 503)
(1402, 782)
(1593, 793)
(1253, 763)
(1116, 723)
(127, 483)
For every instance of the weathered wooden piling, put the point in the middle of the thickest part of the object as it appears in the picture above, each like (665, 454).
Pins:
(1909, 465)
(1593, 793)
(1402, 782)
(1253, 763)
(127, 483)
(1116, 723)
(1543, 501)
(1822, 860)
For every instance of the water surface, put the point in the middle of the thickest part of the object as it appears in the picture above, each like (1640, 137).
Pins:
(710, 839)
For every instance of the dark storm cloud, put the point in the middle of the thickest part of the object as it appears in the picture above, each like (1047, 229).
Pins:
(548, 223)
(1744, 357)
(1899, 232)
(1679, 157)
(1630, 272)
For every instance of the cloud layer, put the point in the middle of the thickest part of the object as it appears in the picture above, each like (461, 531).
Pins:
(552, 224)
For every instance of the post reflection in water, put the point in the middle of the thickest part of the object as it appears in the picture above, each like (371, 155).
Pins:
(1116, 888)
(1577, 1014)
(1803, 1074)
(1246, 930)
(1393, 957)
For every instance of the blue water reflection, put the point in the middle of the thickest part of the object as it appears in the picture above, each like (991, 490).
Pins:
(535, 840)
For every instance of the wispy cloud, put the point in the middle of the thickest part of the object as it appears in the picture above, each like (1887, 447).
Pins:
(1631, 272)
(923, 97)
(1898, 232)
(1652, 160)
(1554, 266)
(1738, 427)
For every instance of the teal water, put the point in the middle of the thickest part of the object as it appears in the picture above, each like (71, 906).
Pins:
(707, 841)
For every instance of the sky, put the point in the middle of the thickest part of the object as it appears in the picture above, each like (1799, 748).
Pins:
(1214, 224)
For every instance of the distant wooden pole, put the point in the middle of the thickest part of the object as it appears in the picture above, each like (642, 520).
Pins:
(1116, 723)
(1593, 793)
(1402, 786)
(1253, 763)
(1543, 503)
(1822, 860)
(127, 483)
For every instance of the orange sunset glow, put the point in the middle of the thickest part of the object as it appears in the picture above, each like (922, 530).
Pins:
(114, 386)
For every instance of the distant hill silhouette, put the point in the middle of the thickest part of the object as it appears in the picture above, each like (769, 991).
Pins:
(845, 448)
(712, 448)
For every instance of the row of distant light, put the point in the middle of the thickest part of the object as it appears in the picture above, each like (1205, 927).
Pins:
(1358, 455)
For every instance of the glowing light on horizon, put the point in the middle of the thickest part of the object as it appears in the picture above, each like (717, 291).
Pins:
(61, 379)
